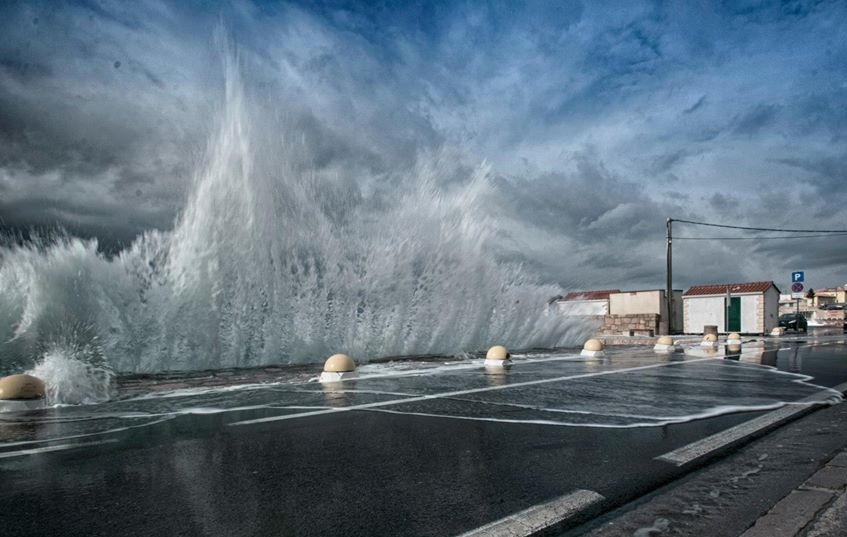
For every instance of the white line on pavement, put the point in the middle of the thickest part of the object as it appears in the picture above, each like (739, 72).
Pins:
(538, 517)
(47, 449)
(465, 392)
(705, 446)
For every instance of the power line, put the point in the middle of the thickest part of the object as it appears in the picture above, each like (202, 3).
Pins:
(841, 231)
(835, 234)
(809, 233)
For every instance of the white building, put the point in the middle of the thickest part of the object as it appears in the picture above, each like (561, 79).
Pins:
(749, 308)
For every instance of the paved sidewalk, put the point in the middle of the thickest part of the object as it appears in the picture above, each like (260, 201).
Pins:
(817, 508)
(788, 483)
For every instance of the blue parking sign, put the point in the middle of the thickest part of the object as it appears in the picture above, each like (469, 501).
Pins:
(798, 277)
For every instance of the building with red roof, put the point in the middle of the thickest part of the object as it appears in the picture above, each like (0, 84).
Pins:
(748, 308)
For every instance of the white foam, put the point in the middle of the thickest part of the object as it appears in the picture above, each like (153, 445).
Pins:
(412, 368)
(87, 435)
(654, 421)
(467, 391)
(205, 390)
(799, 378)
(70, 380)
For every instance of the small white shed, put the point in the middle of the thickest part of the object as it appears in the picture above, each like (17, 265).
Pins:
(748, 308)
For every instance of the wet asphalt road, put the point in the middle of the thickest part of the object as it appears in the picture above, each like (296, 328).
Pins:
(431, 469)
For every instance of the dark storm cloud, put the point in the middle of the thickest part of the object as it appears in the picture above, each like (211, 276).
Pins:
(80, 129)
(758, 11)
(723, 204)
(826, 177)
(666, 162)
(589, 222)
(575, 203)
(599, 119)
(755, 120)
(827, 173)
(24, 71)
(694, 107)
(815, 255)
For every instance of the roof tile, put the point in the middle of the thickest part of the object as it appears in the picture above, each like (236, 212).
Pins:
(721, 288)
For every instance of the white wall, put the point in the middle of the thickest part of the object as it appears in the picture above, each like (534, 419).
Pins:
(636, 302)
(751, 306)
(703, 311)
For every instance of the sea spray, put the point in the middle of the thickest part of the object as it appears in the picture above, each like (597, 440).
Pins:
(274, 260)
(73, 381)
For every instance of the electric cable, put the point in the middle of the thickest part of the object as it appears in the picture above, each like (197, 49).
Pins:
(842, 231)
(756, 238)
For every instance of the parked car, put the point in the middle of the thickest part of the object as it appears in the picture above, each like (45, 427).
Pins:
(833, 307)
(793, 321)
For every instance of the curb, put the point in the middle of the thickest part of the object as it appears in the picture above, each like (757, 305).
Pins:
(726, 497)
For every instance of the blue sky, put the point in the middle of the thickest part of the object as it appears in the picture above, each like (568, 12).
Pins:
(598, 119)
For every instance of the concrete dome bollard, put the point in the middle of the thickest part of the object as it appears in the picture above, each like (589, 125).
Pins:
(21, 392)
(709, 340)
(497, 356)
(338, 367)
(664, 344)
(733, 348)
(593, 347)
(778, 331)
(733, 338)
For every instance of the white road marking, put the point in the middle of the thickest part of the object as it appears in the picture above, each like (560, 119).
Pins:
(48, 449)
(538, 517)
(710, 444)
(657, 421)
(87, 435)
(465, 392)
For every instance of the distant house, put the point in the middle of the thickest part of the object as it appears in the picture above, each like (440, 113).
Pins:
(824, 308)
(585, 302)
(750, 308)
(623, 312)
(826, 296)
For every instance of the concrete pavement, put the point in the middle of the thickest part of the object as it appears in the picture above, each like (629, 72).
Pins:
(456, 451)
(789, 483)
(816, 508)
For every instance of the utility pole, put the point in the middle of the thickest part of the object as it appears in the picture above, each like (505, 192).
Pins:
(669, 290)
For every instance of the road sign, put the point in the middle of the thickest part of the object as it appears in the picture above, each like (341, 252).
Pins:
(798, 277)
(797, 290)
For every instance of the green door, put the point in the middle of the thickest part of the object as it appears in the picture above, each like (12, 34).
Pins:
(733, 314)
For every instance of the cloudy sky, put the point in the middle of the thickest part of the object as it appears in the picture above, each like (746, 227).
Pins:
(598, 119)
